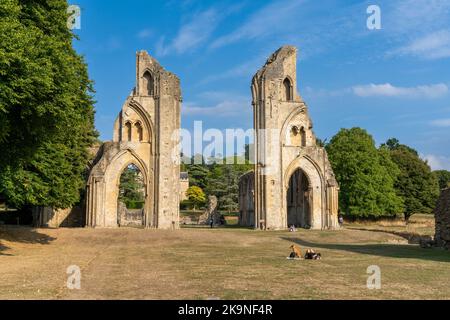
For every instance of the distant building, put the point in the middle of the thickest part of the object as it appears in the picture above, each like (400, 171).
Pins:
(184, 185)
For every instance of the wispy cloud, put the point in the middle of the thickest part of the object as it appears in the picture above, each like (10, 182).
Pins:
(145, 34)
(388, 90)
(415, 16)
(441, 123)
(218, 102)
(191, 34)
(196, 31)
(437, 162)
(381, 90)
(418, 28)
(435, 45)
(271, 19)
(310, 92)
(246, 69)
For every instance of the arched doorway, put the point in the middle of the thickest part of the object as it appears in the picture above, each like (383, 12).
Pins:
(131, 197)
(299, 200)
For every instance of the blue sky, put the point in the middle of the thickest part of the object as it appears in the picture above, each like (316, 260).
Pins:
(394, 82)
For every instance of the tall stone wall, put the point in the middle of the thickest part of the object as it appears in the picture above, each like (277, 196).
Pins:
(145, 135)
(442, 214)
(284, 144)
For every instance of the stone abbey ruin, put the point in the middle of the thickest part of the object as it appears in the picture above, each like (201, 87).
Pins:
(292, 182)
(142, 137)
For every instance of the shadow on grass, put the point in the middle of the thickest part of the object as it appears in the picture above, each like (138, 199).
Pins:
(413, 238)
(207, 227)
(21, 235)
(381, 250)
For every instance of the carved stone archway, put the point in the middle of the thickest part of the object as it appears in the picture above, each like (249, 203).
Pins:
(143, 136)
(315, 182)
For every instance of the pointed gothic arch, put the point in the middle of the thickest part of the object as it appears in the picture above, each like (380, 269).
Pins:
(149, 83)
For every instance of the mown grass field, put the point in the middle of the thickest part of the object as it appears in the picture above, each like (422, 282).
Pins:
(226, 263)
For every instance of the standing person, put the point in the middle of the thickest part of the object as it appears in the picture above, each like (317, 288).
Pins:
(341, 220)
(211, 222)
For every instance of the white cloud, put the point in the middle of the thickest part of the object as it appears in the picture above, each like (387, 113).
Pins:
(246, 69)
(441, 123)
(413, 16)
(437, 162)
(192, 34)
(324, 93)
(388, 90)
(226, 108)
(271, 19)
(435, 45)
(145, 34)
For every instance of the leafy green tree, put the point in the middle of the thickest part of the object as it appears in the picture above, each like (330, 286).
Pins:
(198, 171)
(365, 174)
(223, 181)
(131, 188)
(443, 177)
(196, 196)
(46, 106)
(416, 184)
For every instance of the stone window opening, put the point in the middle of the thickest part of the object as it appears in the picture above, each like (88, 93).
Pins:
(303, 137)
(148, 84)
(128, 131)
(139, 131)
(298, 136)
(287, 88)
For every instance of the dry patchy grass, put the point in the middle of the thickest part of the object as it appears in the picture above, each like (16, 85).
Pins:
(200, 263)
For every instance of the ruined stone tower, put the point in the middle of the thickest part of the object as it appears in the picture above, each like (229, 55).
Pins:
(146, 136)
(292, 182)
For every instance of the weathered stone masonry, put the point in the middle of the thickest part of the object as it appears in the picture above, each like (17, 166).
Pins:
(145, 134)
(292, 182)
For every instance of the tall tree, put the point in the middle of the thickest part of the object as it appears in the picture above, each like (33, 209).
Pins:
(366, 175)
(46, 106)
(443, 177)
(223, 181)
(198, 173)
(416, 184)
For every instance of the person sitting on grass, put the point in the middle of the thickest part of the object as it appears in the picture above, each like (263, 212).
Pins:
(312, 255)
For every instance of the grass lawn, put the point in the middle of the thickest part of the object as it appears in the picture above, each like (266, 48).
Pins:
(225, 263)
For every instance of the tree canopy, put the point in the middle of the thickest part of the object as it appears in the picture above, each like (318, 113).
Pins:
(219, 177)
(365, 174)
(46, 106)
(132, 188)
(196, 196)
(443, 177)
(416, 184)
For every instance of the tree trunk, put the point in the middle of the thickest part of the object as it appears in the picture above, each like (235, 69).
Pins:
(407, 216)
